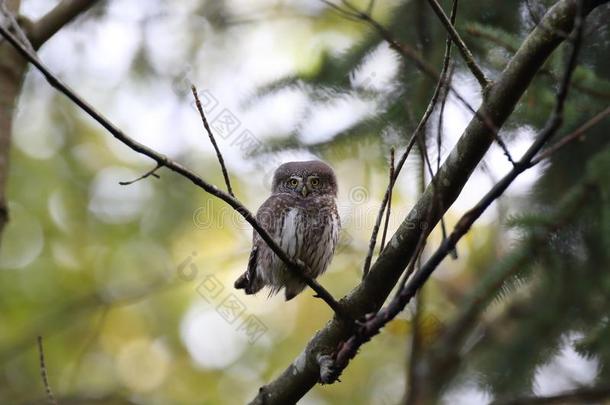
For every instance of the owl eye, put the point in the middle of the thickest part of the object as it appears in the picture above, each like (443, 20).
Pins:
(293, 183)
(315, 182)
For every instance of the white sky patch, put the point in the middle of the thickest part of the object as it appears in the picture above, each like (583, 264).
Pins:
(567, 370)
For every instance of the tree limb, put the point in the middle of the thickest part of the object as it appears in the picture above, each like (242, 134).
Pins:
(367, 297)
(62, 14)
(374, 324)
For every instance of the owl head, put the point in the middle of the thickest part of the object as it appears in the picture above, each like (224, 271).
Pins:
(305, 179)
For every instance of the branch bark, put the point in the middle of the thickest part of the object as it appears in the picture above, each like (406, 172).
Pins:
(61, 15)
(303, 373)
(12, 73)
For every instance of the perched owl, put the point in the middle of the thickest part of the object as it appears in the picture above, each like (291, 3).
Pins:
(301, 215)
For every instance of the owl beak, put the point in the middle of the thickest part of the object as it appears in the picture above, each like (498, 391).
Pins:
(304, 191)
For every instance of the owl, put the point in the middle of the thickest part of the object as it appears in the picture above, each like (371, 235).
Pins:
(301, 215)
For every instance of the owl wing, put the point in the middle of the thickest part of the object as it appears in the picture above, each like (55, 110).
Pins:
(270, 216)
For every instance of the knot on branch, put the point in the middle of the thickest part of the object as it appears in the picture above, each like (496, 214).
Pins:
(328, 373)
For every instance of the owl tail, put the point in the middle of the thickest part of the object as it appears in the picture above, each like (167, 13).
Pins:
(249, 281)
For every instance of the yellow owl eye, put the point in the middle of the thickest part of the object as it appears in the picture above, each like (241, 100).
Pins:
(315, 182)
(293, 183)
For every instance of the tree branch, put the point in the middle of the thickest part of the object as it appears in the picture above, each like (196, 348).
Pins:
(44, 374)
(374, 324)
(12, 72)
(298, 269)
(367, 297)
(577, 396)
(457, 39)
(62, 14)
(571, 137)
(204, 120)
(389, 210)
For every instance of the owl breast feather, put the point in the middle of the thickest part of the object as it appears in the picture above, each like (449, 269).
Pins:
(310, 235)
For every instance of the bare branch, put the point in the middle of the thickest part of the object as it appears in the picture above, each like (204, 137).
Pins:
(57, 18)
(145, 175)
(577, 396)
(297, 268)
(204, 120)
(457, 39)
(575, 135)
(374, 324)
(388, 211)
(44, 374)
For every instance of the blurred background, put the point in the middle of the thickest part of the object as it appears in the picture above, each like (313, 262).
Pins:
(131, 286)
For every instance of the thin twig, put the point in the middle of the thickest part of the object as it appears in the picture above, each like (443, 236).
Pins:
(578, 396)
(389, 209)
(420, 127)
(221, 161)
(43, 373)
(573, 136)
(298, 269)
(145, 175)
(373, 324)
(439, 143)
(459, 42)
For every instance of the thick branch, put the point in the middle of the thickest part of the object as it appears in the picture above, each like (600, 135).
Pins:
(368, 297)
(54, 20)
(12, 72)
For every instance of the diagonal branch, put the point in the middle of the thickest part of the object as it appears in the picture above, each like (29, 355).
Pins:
(578, 396)
(389, 210)
(301, 375)
(44, 374)
(459, 42)
(374, 324)
(297, 268)
(62, 14)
